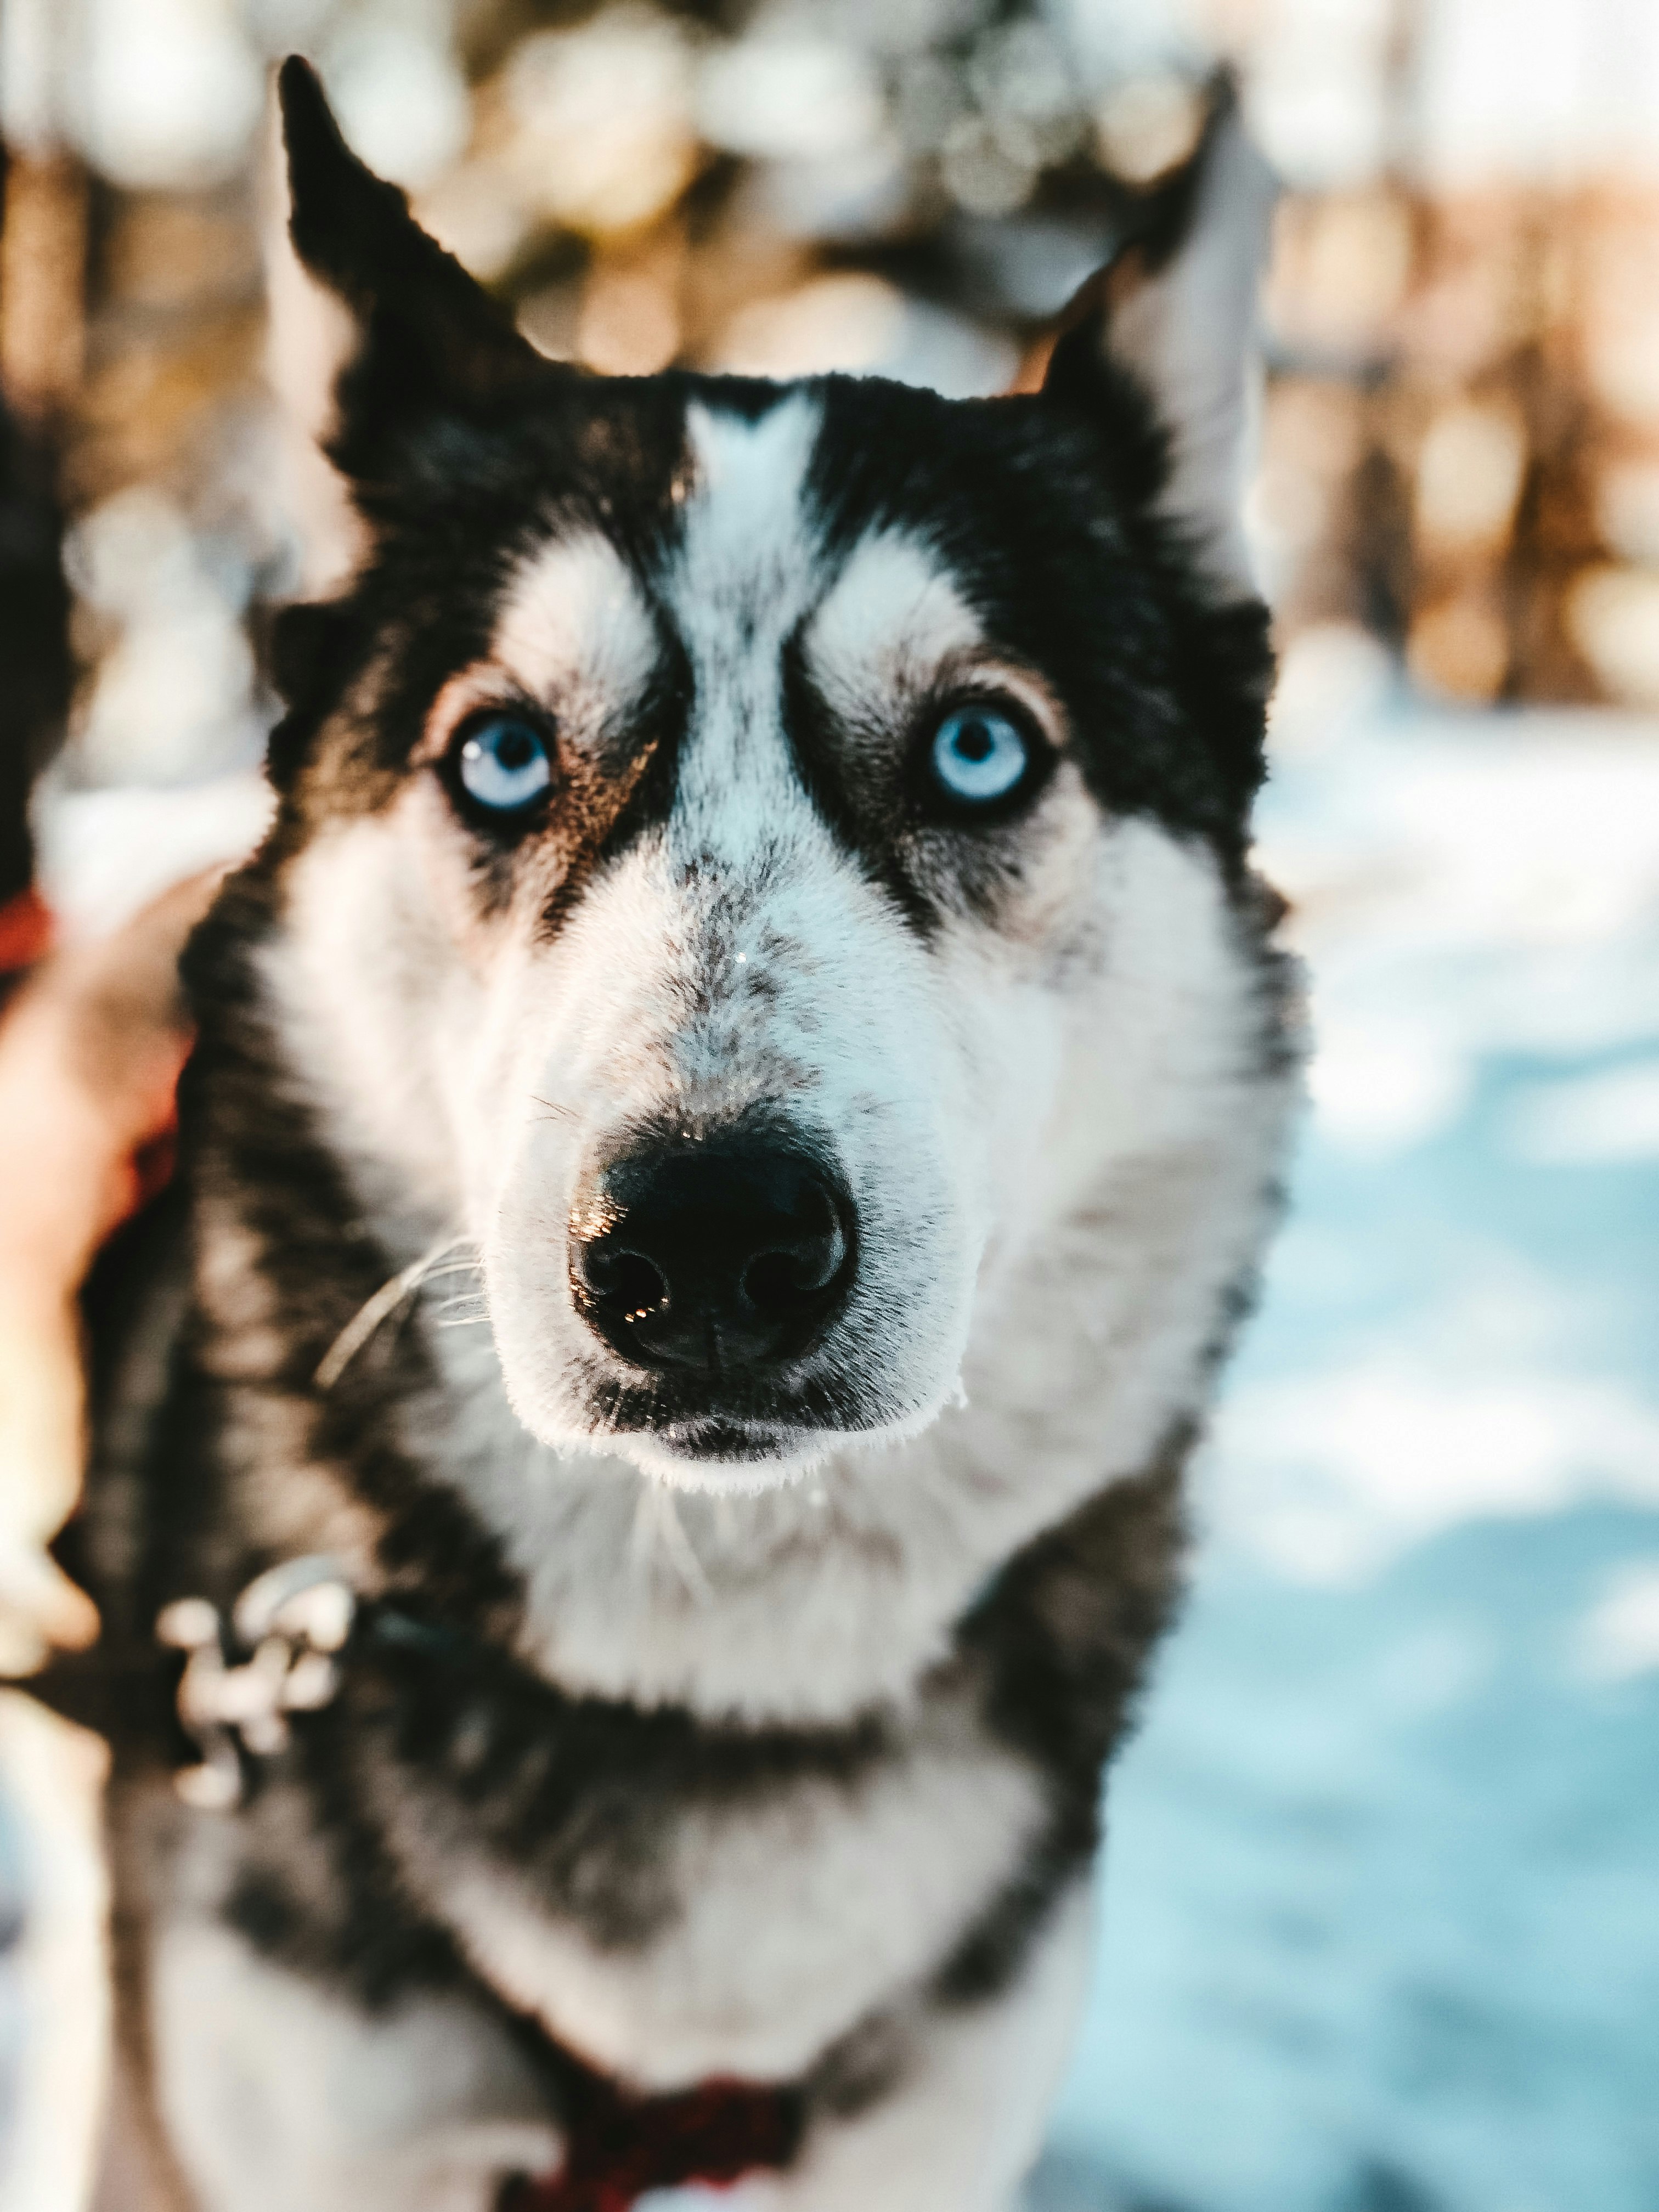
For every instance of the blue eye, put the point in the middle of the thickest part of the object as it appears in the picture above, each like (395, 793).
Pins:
(505, 764)
(978, 755)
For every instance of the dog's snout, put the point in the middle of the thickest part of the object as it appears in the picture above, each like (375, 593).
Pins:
(720, 1255)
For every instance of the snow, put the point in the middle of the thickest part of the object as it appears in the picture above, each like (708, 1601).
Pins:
(1381, 1926)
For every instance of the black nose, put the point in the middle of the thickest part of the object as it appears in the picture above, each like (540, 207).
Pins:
(719, 1254)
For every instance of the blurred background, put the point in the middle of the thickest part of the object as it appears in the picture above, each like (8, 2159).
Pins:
(1381, 1923)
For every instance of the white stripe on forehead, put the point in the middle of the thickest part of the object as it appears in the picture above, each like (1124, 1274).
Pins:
(746, 539)
(748, 567)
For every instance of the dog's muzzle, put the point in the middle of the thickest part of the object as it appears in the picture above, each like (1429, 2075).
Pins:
(721, 1256)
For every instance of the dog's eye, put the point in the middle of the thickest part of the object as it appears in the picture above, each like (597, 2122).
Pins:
(504, 764)
(979, 755)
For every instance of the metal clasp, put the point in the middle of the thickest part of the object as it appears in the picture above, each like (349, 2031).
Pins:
(292, 1622)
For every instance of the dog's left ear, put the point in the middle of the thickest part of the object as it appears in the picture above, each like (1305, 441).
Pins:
(1176, 310)
(410, 338)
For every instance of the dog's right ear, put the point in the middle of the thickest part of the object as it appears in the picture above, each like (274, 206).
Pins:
(401, 338)
(1175, 311)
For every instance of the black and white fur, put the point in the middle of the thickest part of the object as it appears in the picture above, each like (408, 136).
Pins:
(757, 1736)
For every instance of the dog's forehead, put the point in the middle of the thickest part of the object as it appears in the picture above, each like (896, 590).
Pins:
(748, 544)
(749, 563)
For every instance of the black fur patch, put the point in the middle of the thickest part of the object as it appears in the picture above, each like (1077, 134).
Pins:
(1064, 1637)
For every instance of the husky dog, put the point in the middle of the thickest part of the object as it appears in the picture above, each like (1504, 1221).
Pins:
(734, 1114)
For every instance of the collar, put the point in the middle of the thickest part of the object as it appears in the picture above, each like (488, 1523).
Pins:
(618, 2147)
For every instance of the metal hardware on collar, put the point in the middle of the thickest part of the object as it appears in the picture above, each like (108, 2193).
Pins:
(292, 1621)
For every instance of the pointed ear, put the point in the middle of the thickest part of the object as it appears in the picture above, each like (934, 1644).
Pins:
(1176, 310)
(409, 334)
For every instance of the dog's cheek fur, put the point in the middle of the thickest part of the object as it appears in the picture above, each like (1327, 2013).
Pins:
(1134, 1082)
(380, 1010)
(1114, 1283)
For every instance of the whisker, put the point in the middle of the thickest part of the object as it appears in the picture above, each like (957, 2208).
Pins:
(374, 1311)
(657, 1516)
(642, 1535)
(683, 1552)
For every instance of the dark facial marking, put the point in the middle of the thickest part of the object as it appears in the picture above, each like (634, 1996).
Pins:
(1043, 518)
(875, 782)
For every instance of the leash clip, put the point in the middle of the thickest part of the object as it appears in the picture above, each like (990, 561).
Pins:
(292, 1621)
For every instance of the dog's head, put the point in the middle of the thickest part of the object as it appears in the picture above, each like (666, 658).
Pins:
(757, 854)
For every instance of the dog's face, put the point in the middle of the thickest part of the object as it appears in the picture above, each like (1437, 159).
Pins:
(757, 854)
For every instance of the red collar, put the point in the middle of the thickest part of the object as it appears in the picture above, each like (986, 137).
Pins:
(617, 2146)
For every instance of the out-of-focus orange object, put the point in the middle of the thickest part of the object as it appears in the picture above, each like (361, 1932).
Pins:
(25, 932)
(91, 1048)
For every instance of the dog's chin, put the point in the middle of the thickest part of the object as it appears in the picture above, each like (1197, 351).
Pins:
(742, 1456)
(758, 1441)
(728, 1457)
